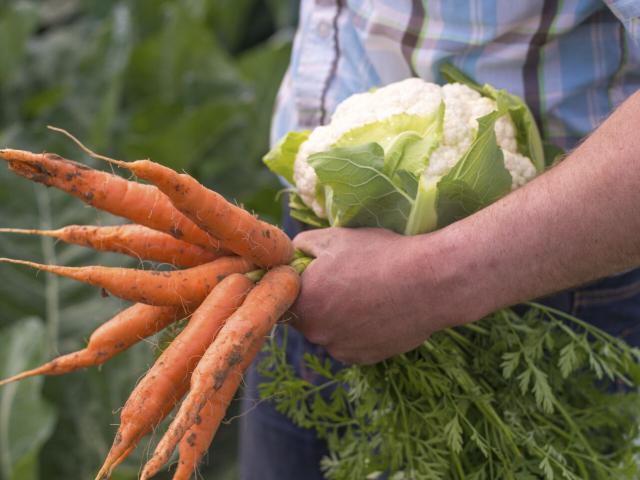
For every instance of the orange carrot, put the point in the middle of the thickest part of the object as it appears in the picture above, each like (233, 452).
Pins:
(112, 337)
(142, 204)
(143, 409)
(134, 240)
(264, 305)
(240, 232)
(198, 438)
(186, 288)
(177, 394)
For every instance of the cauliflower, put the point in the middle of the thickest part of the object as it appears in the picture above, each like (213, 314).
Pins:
(412, 156)
(413, 96)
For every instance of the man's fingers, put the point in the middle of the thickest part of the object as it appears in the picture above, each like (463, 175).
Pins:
(314, 242)
(309, 303)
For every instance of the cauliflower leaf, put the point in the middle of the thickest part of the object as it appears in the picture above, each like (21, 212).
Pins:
(357, 191)
(281, 158)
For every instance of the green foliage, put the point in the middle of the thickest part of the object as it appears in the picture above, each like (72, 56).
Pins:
(300, 211)
(446, 411)
(188, 83)
(26, 419)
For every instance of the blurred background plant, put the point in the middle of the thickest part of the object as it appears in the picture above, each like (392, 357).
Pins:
(189, 83)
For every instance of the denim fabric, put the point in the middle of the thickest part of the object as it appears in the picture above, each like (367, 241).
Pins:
(612, 304)
(273, 448)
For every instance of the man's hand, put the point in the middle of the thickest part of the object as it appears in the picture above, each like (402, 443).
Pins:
(361, 297)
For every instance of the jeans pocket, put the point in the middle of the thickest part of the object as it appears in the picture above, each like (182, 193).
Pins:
(612, 304)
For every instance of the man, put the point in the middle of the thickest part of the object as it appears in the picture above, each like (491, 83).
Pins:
(573, 62)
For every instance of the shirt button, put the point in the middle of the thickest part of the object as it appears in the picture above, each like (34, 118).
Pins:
(323, 29)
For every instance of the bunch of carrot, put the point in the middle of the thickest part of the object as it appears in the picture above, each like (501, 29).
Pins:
(236, 282)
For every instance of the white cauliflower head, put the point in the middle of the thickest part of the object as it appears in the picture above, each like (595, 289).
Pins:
(462, 107)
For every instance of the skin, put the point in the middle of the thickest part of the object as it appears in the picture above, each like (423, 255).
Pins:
(371, 294)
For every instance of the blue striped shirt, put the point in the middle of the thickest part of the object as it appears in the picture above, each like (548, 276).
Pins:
(573, 61)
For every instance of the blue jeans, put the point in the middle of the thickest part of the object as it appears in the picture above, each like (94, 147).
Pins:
(273, 448)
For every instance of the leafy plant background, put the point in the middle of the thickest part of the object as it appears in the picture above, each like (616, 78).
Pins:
(189, 83)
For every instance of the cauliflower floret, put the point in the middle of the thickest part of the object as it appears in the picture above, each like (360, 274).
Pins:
(444, 158)
(520, 168)
(463, 106)
(304, 175)
(506, 134)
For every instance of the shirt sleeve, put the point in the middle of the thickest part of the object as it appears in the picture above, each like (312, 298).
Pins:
(283, 119)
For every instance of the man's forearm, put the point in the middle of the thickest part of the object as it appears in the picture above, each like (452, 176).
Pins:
(577, 222)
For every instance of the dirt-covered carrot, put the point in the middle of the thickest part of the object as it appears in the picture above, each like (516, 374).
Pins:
(186, 288)
(142, 204)
(264, 305)
(112, 337)
(179, 390)
(134, 240)
(144, 408)
(196, 441)
(240, 232)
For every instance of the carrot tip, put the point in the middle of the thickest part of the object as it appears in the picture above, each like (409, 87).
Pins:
(21, 376)
(12, 155)
(120, 163)
(86, 149)
(146, 474)
(15, 261)
(6, 381)
(105, 472)
(27, 231)
(151, 468)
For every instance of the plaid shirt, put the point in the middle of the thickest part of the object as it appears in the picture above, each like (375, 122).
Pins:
(573, 61)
